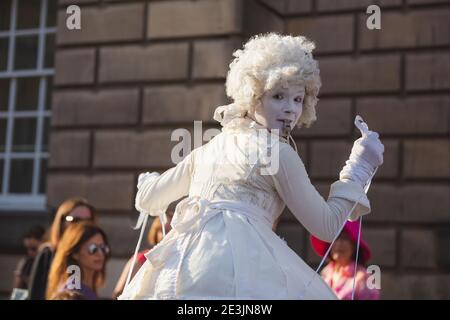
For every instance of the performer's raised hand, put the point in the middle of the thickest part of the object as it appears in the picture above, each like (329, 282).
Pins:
(143, 179)
(366, 155)
(145, 176)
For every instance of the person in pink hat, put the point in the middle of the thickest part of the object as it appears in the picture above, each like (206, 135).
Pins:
(340, 271)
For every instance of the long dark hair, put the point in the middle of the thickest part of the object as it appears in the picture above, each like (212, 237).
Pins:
(72, 240)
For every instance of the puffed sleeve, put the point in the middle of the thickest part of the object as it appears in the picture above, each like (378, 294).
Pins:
(157, 191)
(321, 218)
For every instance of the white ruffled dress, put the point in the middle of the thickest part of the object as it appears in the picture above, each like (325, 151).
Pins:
(222, 245)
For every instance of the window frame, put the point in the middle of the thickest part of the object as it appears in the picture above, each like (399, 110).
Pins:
(33, 200)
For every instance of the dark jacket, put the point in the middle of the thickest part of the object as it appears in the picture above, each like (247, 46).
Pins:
(37, 284)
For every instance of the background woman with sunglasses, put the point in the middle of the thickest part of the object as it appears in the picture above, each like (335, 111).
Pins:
(83, 245)
(70, 211)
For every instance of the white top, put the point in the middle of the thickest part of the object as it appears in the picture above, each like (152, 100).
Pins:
(222, 245)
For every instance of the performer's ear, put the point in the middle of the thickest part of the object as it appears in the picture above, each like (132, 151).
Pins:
(76, 256)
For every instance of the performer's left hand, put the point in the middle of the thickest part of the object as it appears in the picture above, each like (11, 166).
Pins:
(145, 176)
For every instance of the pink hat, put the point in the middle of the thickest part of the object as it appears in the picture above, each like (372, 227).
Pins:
(351, 228)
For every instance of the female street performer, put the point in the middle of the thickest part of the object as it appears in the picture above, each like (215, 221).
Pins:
(221, 245)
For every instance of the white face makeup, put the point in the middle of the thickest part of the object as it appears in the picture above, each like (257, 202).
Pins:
(280, 104)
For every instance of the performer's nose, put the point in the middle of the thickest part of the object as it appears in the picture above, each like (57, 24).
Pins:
(289, 107)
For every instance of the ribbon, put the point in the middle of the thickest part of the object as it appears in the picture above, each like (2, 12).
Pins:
(224, 114)
(364, 129)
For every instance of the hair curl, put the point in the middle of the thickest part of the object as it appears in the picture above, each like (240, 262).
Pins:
(269, 60)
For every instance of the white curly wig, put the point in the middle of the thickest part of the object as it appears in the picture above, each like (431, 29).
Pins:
(266, 61)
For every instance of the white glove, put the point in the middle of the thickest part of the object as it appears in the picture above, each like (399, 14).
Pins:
(145, 176)
(142, 179)
(366, 155)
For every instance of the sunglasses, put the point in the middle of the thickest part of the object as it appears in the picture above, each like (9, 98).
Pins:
(73, 219)
(93, 248)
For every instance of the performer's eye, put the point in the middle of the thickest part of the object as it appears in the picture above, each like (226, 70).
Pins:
(298, 99)
(278, 96)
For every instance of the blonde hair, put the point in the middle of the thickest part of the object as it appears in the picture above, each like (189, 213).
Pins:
(72, 240)
(57, 228)
(269, 60)
(152, 236)
(68, 295)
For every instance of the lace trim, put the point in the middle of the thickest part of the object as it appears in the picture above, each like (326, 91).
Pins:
(245, 125)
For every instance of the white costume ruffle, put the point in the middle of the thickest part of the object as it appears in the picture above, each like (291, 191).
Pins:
(222, 245)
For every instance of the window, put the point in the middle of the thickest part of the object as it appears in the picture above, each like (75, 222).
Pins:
(27, 39)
